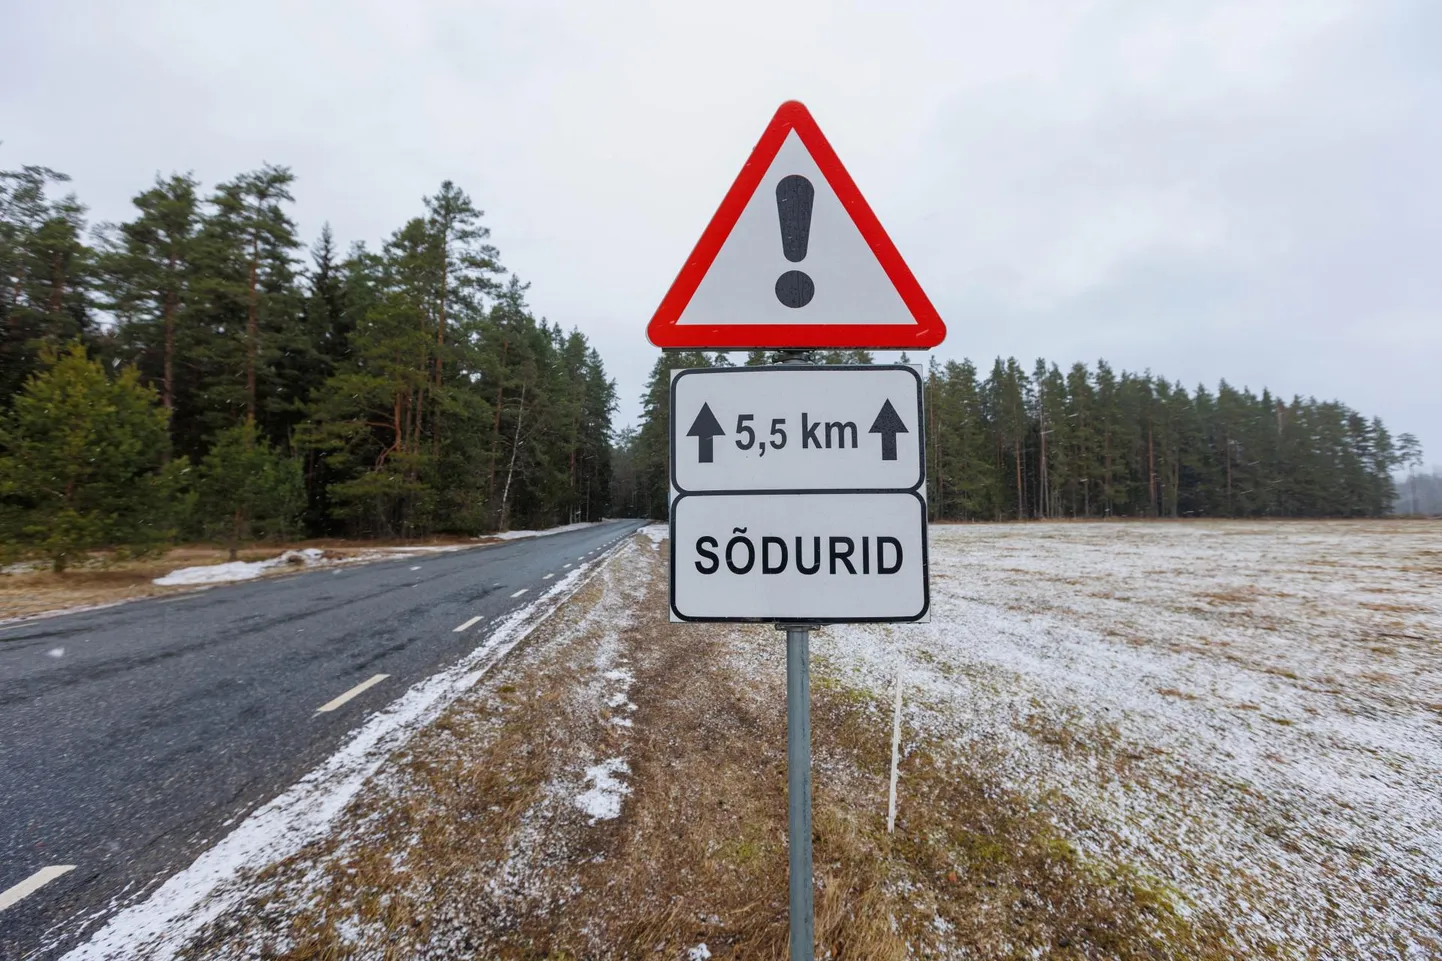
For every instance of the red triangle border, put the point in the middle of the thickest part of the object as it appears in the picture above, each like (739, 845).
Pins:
(665, 332)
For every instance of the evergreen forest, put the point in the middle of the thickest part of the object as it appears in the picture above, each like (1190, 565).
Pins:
(197, 371)
(1094, 442)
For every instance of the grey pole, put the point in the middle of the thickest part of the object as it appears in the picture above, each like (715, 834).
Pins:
(798, 784)
(798, 765)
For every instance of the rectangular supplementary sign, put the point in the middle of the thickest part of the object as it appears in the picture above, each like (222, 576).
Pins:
(819, 557)
(792, 428)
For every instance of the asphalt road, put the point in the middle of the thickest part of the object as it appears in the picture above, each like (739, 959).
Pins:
(132, 738)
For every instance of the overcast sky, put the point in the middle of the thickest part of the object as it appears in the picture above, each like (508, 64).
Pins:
(1243, 190)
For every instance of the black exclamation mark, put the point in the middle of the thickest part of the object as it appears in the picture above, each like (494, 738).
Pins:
(793, 205)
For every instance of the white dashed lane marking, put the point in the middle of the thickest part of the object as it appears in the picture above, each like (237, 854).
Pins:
(467, 624)
(360, 688)
(32, 884)
(548, 577)
(520, 592)
(565, 565)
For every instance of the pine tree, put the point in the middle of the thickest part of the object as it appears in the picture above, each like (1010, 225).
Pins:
(148, 264)
(625, 497)
(1409, 457)
(82, 462)
(467, 267)
(367, 418)
(246, 489)
(246, 287)
(653, 460)
(45, 273)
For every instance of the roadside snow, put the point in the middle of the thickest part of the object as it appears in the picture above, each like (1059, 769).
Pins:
(315, 557)
(657, 533)
(514, 535)
(423, 549)
(603, 801)
(240, 570)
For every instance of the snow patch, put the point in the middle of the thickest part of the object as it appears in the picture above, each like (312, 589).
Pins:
(240, 570)
(699, 953)
(516, 535)
(603, 801)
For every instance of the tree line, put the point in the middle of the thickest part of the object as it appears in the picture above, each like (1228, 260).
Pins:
(1093, 442)
(187, 373)
(1421, 493)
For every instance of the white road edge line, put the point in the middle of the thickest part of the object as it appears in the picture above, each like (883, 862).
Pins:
(32, 884)
(549, 576)
(564, 566)
(457, 630)
(360, 688)
(520, 592)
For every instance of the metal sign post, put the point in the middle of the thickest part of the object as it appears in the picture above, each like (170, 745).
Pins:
(798, 788)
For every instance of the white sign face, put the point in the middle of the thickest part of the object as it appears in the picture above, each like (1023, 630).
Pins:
(790, 428)
(816, 557)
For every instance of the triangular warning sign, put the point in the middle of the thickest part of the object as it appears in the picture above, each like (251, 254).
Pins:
(794, 258)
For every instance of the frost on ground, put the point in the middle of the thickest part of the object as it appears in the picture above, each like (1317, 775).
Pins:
(1131, 741)
(1249, 712)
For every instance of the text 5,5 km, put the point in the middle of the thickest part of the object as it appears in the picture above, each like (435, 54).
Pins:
(769, 428)
(815, 434)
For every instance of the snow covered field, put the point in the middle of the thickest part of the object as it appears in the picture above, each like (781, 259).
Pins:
(1251, 712)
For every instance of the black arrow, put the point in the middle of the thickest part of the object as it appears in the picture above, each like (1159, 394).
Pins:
(707, 428)
(888, 425)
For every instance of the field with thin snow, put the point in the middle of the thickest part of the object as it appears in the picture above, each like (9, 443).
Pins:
(1145, 740)
(1251, 712)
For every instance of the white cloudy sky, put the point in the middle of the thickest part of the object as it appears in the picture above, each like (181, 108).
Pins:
(1249, 190)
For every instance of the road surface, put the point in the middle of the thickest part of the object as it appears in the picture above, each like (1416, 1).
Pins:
(132, 738)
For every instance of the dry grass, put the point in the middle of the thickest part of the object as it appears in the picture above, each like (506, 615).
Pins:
(29, 588)
(469, 846)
